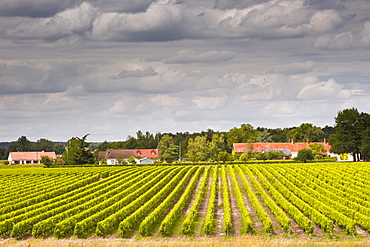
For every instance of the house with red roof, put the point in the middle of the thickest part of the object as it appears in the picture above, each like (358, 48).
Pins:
(29, 157)
(142, 156)
(290, 150)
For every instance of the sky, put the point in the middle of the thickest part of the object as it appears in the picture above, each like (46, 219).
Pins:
(109, 68)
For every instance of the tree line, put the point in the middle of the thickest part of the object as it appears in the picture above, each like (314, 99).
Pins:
(350, 134)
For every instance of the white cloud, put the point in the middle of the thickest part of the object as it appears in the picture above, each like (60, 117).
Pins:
(210, 102)
(325, 90)
(135, 73)
(294, 68)
(365, 34)
(77, 20)
(191, 56)
(172, 20)
(166, 101)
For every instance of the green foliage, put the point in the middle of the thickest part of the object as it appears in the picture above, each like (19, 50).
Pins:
(274, 155)
(103, 161)
(350, 127)
(198, 149)
(245, 134)
(171, 154)
(78, 151)
(305, 155)
(317, 148)
(224, 156)
(260, 156)
(307, 131)
(365, 145)
(3, 153)
(21, 145)
(44, 145)
(47, 161)
(166, 148)
(131, 160)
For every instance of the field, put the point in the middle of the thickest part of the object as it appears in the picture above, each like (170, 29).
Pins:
(272, 202)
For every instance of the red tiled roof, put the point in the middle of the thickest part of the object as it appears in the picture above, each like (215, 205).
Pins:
(126, 153)
(259, 147)
(147, 153)
(31, 155)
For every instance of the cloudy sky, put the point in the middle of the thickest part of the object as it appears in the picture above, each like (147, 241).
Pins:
(112, 67)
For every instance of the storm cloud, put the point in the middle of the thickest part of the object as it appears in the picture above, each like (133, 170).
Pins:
(109, 68)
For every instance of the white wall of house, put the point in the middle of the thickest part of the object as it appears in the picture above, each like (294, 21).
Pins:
(144, 161)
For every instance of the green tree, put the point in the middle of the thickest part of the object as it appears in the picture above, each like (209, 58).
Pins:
(103, 160)
(46, 160)
(260, 156)
(264, 136)
(216, 146)
(3, 153)
(365, 146)
(272, 155)
(45, 145)
(163, 145)
(131, 160)
(171, 154)
(350, 127)
(224, 156)
(304, 155)
(245, 134)
(198, 149)
(317, 149)
(244, 157)
(307, 131)
(120, 161)
(21, 145)
(78, 151)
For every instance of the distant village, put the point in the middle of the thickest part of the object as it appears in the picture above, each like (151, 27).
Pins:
(345, 141)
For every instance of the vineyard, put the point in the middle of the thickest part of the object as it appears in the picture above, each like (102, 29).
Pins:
(317, 200)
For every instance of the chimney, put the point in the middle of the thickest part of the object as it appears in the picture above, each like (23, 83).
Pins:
(324, 140)
(307, 141)
(292, 141)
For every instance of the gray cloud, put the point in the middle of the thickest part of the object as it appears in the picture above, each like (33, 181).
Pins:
(191, 56)
(110, 67)
(135, 73)
(164, 21)
(36, 8)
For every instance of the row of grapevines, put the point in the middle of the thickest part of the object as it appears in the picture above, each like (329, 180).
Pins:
(85, 204)
(28, 184)
(246, 219)
(24, 227)
(346, 199)
(169, 221)
(357, 194)
(208, 226)
(63, 224)
(111, 223)
(263, 216)
(188, 224)
(322, 205)
(227, 224)
(160, 209)
(288, 207)
(40, 195)
(280, 216)
(307, 208)
(102, 210)
(7, 224)
(330, 198)
(49, 204)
